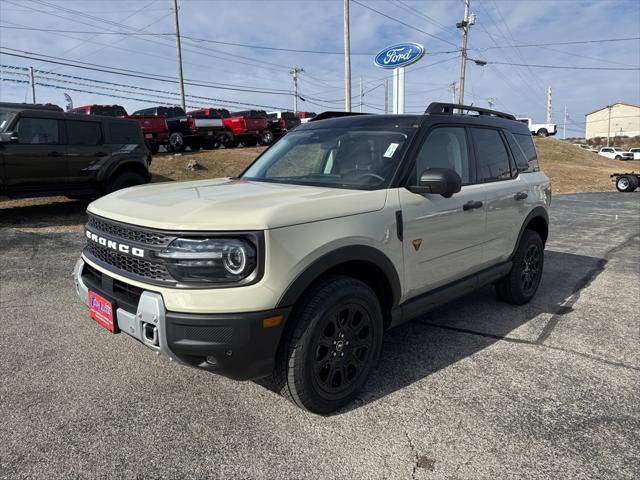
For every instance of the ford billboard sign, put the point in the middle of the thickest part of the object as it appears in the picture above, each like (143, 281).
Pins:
(399, 55)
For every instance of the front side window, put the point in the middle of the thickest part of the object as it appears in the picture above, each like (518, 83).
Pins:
(83, 133)
(38, 131)
(333, 157)
(491, 155)
(445, 147)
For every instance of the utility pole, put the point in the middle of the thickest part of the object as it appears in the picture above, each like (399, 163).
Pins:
(564, 124)
(454, 88)
(491, 101)
(386, 96)
(465, 24)
(179, 50)
(295, 71)
(347, 59)
(361, 93)
(549, 107)
(32, 80)
(609, 125)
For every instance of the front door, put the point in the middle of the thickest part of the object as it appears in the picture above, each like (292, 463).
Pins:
(37, 159)
(443, 237)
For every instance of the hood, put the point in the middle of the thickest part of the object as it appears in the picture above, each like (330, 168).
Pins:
(225, 204)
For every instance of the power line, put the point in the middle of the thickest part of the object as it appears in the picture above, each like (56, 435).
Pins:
(403, 23)
(564, 67)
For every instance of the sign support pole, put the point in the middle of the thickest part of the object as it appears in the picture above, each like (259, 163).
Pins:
(398, 90)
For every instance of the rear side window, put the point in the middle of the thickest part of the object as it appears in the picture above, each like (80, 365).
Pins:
(529, 149)
(491, 155)
(83, 133)
(124, 132)
(446, 147)
(38, 131)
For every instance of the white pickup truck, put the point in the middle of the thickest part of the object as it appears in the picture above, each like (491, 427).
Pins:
(539, 129)
(616, 153)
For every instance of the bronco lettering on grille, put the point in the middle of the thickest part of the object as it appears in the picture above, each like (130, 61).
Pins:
(113, 245)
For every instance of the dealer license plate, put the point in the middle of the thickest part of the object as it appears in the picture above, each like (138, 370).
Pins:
(101, 310)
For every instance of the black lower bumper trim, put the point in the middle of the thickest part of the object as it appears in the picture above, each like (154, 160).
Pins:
(234, 345)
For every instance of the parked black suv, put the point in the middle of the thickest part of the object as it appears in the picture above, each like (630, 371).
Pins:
(45, 151)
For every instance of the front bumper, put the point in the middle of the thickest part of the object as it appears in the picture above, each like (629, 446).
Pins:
(235, 345)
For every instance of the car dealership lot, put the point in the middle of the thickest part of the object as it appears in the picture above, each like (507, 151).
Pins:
(476, 389)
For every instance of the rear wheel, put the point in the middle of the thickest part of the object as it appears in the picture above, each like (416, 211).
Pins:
(521, 283)
(230, 141)
(626, 183)
(125, 179)
(176, 142)
(267, 138)
(543, 132)
(328, 355)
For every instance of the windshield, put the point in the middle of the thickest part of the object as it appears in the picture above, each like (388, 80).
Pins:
(333, 157)
(5, 120)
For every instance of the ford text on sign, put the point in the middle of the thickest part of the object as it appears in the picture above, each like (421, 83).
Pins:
(399, 55)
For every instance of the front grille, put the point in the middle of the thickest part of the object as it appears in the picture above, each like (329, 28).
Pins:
(134, 235)
(140, 268)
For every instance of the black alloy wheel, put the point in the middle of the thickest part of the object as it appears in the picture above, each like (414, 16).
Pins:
(530, 270)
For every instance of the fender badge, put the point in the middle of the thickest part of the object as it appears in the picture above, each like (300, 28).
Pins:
(416, 243)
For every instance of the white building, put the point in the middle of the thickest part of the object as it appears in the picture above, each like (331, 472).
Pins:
(619, 119)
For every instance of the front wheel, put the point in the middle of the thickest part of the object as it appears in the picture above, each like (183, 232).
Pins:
(521, 283)
(618, 157)
(267, 138)
(328, 355)
(543, 132)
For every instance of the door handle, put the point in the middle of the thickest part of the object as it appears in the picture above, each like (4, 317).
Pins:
(54, 154)
(101, 154)
(472, 204)
(520, 196)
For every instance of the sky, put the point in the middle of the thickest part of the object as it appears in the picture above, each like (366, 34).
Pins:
(101, 32)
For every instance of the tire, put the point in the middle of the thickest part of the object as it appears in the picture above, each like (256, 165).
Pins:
(626, 183)
(250, 142)
(521, 283)
(230, 142)
(618, 157)
(542, 132)
(635, 182)
(328, 354)
(125, 179)
(176, 142)
(267, 138)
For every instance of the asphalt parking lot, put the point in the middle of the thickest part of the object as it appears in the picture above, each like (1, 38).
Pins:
(476, 389)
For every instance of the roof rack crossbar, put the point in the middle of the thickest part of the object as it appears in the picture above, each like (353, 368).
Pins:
(448, 109)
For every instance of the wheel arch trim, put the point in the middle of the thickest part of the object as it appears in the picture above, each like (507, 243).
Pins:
(537, 212)
(328, 261)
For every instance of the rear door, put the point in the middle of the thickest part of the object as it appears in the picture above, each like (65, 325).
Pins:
(506, 192)
(86, 150)
(38, 158)
(442, 239)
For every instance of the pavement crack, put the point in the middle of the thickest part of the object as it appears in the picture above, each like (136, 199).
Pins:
(415, 454)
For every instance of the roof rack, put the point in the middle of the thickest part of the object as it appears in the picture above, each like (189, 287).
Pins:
(325, 115)
(31, 106)
(448, 109)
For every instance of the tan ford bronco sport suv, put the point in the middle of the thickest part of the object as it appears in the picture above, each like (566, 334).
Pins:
(345, 227)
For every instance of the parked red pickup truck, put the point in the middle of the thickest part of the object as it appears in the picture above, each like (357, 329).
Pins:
(246, 127)
(154, 129)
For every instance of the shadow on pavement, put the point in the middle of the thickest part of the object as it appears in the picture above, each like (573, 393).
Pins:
(470, 324)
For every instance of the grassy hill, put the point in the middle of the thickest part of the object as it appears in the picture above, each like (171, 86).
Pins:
(573, 170)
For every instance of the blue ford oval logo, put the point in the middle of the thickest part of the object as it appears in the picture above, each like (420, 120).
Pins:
(399, 55)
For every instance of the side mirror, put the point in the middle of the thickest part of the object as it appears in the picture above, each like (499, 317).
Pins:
(9, 137)
(443, 181)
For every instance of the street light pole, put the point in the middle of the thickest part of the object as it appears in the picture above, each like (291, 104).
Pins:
(463, 64)
(347, 59)
(32, 79)
(295, 71)
(179, 51)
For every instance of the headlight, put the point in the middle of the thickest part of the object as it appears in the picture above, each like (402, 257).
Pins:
(210, 260)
